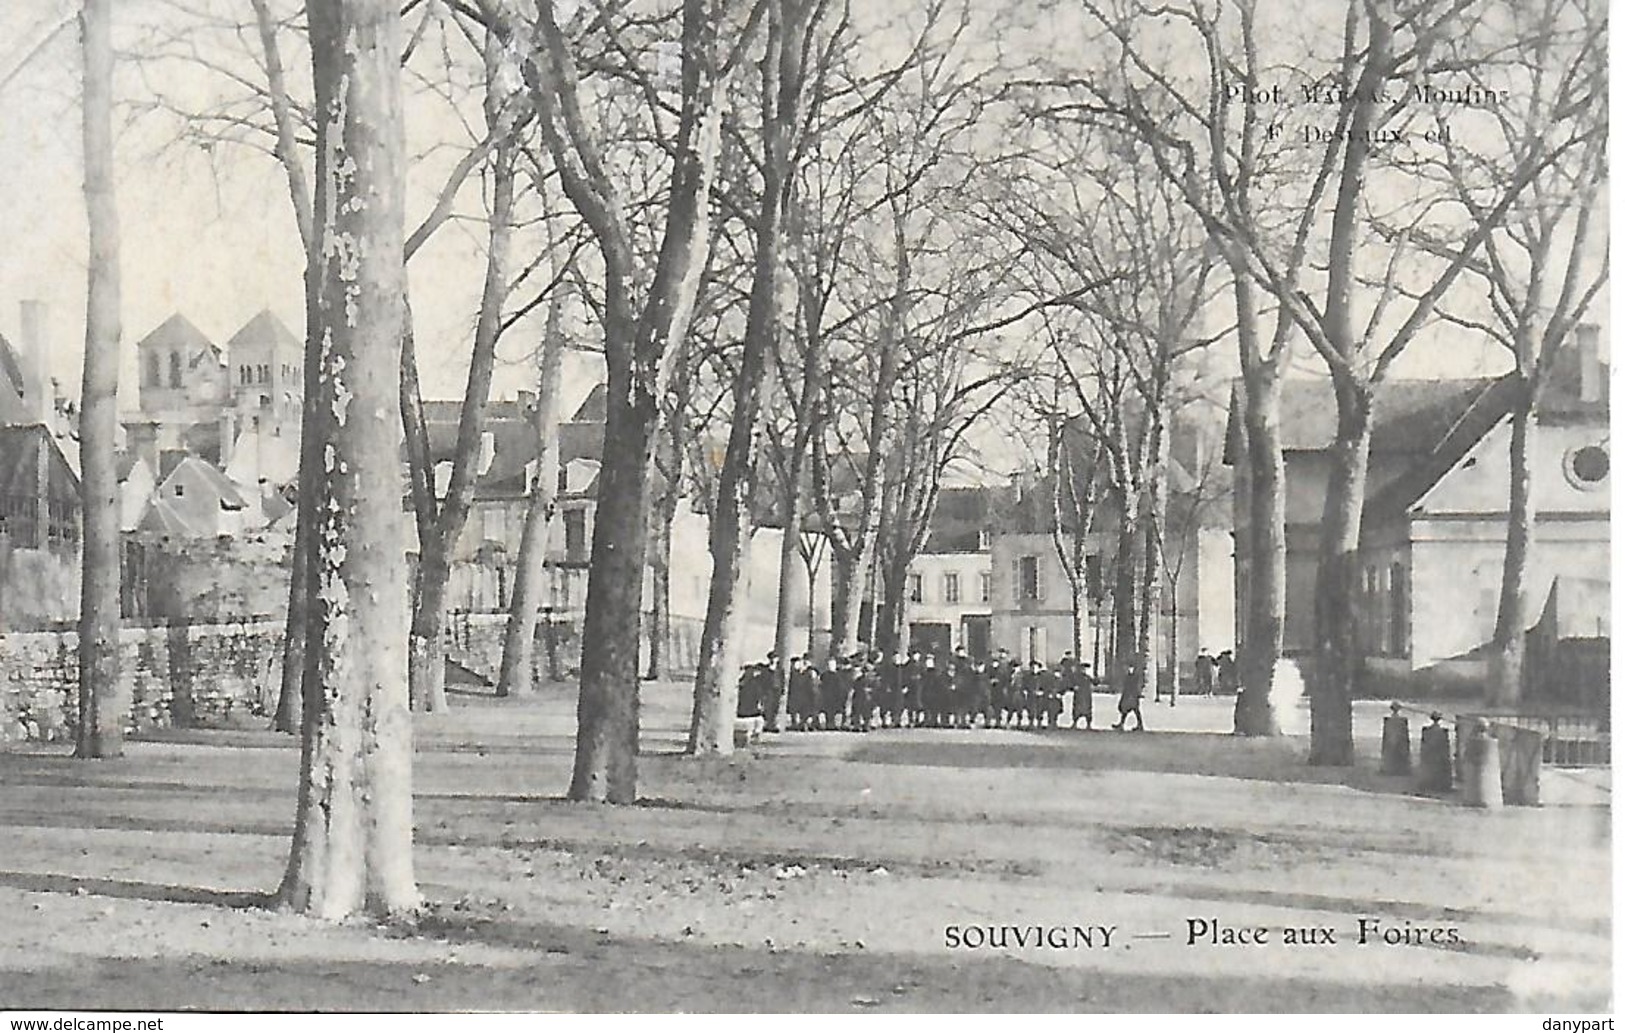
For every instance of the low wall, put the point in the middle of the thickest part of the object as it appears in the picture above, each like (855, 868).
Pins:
(173, 674)
(210, 674)
(36, 587)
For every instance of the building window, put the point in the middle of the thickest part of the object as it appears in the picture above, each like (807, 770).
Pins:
(916, 588)
(174, 369)
(987, 586)
(1398, 611)
(575, 535)
(1029, 580)
(950, 588)
(1094, 577)
(155, 373)
(1586, 467)
(180, 490)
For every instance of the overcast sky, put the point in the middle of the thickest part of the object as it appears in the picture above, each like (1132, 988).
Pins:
(219, 248)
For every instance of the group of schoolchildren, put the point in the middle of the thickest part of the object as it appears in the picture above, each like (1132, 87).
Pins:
(865, 691)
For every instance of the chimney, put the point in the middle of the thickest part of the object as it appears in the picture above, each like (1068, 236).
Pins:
(36, 358)
(228, 438)
(1588, 340)
(142, 439)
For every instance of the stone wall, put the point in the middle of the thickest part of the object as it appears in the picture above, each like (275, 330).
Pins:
(213, 579)
(174, 674)
(221, 673)
(36, 587)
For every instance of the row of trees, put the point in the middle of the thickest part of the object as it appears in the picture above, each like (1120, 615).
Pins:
(847, 237)
(1440, 143)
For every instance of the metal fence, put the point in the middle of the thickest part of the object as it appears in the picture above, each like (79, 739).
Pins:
(1569, 740)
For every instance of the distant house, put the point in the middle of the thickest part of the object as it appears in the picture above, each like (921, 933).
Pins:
(1032, 586)
(39, 492)
(1434, 527)
(195, 500)
(491, 538)
(137, 481)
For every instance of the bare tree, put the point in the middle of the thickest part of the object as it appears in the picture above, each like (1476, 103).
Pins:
(102, 708)
(259, 111)
(1539, 268)
(792, 37)
(352, 842)
(519, 637)
(644, 319)
(438, 535)
(1365, 92)
(1116, 244)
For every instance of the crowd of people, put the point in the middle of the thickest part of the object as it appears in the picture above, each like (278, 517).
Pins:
(867, 690)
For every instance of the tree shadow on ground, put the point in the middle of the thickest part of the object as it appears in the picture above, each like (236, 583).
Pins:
(1219, 755)
(1357, 906)
(126, 889)
(575, 970)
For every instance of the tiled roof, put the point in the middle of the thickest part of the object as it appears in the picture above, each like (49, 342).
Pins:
(19, 472)
(164, 518)
(11, 366)
(178, 334)
(1487, 406)
(265, 330)
(595, 407)
(1407, 415)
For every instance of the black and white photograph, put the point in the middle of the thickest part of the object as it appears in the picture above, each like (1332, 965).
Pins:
(805, 507)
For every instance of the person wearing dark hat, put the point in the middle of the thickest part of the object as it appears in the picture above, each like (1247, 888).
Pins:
(861, 712)
(1204, 672)
(1128, 702)
(1224, 669)
(803, 695)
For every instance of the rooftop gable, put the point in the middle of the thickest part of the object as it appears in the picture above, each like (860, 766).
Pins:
(264, 332)
(177, 333)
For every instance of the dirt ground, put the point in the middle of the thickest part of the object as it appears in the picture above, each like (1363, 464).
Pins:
(824, 871)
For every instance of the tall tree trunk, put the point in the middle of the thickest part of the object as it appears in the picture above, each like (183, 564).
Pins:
(850, 578)
(1150, 603)
(426, 668)
(1151, 532)
(638, 349)
(1512, 613)
(428, 649)
(517, 677)
(774, 713)
(1337, 648)
(102, 708)
(1264, 631)
(1125, 637)
(607, 711)
(716, 682)
(291, 695)
(1079, 593)
(665, 515)
(352, 842)
(892, 581)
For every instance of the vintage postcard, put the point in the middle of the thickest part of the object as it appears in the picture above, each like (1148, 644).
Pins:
(805, 506)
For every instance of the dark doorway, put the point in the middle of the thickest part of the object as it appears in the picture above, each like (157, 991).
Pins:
(930, 638)
(977, 635)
